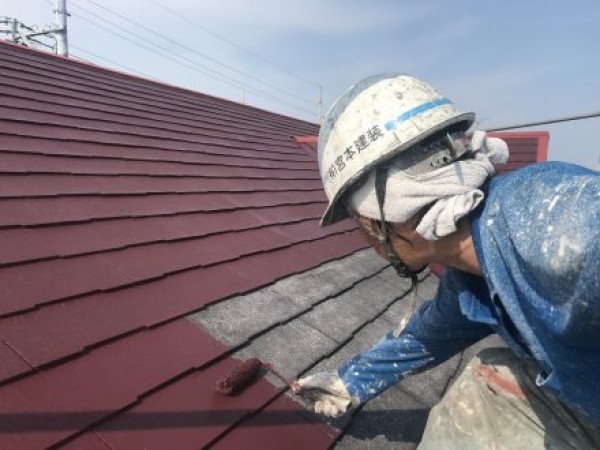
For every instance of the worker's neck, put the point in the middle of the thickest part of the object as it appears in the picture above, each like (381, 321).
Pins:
(457, 250)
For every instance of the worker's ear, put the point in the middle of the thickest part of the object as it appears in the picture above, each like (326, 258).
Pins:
(406, 231)
(368, 226)
(377, 227)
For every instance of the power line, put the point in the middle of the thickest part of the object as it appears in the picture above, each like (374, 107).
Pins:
(95, 55)
(234, 44)
(255, 55)
(217, 76)
(547, 122)
(169, 55)
(192, 50)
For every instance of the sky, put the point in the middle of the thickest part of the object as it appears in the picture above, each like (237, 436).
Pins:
(508, 61)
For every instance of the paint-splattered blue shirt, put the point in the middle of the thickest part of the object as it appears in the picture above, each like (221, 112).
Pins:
(537, 238)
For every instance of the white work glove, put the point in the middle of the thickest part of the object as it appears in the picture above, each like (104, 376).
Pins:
(327, 391)
(495, 149)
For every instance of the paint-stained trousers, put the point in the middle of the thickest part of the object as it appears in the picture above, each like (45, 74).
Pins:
(495, 404)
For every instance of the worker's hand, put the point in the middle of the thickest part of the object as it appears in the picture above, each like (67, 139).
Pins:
(327, 391)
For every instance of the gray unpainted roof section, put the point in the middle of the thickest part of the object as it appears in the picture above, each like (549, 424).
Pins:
(318, 319)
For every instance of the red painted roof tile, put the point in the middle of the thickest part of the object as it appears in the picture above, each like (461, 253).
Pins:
(187, 414)
(49, 407)
(87, 441)
(294, 431)
(39, 185)
(137, 264)
(66, 210)
(24, 287)
(195, 156)
(21, 245)
(12, 363)
(29, 163)
(279, 264)
(96, 109)
(66, 329)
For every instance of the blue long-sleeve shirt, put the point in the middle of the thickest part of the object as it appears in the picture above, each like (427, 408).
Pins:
(537, 239)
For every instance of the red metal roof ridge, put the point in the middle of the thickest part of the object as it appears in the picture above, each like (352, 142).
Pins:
(308, 144)
(94, 66)
(306, 139)
(542, 139)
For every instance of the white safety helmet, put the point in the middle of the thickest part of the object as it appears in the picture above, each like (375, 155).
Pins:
(379, 118)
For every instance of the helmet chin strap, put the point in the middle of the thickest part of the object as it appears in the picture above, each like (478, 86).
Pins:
(400, 266)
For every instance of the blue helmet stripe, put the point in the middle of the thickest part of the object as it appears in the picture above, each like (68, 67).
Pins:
(390, 125)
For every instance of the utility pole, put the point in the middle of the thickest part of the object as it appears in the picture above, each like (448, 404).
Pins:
(62, 44)
(55, 35)
(12, 27)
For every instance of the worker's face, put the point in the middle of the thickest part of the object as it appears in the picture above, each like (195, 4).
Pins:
(407, 243)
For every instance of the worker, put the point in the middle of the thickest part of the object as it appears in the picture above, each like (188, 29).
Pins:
(522, 258)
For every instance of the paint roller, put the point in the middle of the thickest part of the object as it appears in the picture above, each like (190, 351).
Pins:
(244, 374)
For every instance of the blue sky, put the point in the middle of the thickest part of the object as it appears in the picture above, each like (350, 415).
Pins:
(509, 61)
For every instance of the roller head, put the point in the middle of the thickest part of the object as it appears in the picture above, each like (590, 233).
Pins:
(240, 377)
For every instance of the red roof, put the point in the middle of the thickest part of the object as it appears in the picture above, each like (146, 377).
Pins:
(526, 147)
(126, 205)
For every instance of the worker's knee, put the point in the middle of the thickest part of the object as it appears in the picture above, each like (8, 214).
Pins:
(495, 403)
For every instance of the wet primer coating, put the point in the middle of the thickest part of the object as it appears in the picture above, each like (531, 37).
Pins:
(537, 238)
(240, 377)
